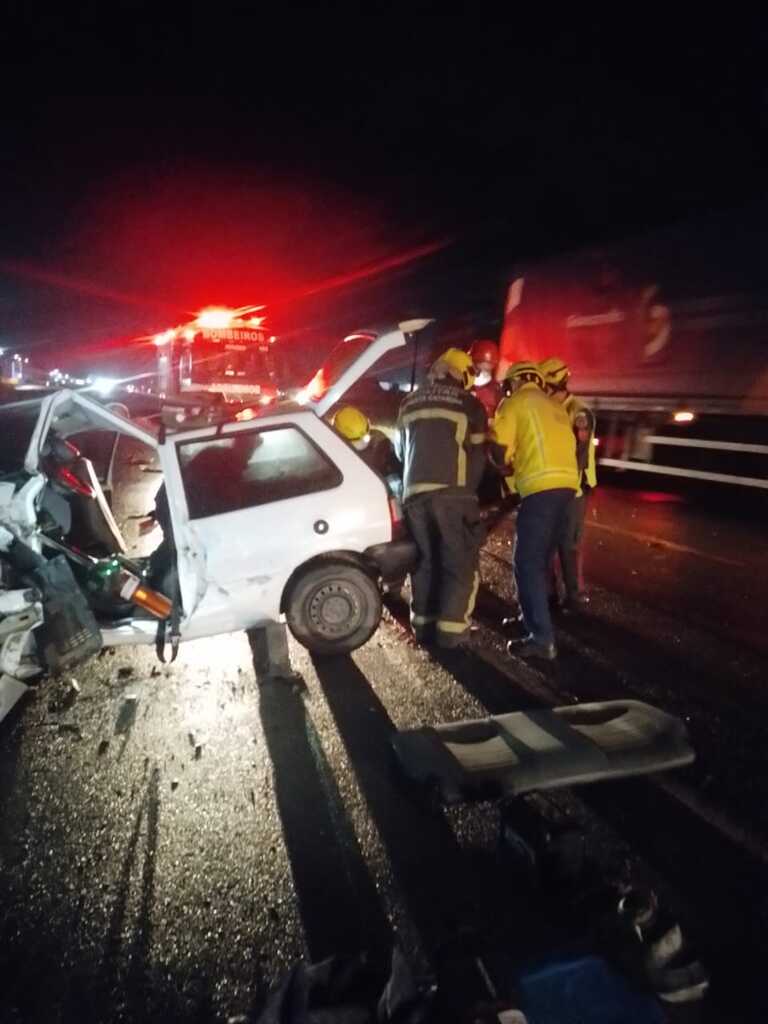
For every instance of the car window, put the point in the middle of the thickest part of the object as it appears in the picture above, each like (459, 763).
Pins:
(342, 356)
(96, 445)
(252, 468)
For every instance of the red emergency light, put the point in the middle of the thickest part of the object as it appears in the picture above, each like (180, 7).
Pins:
(215, 316)
(221, 317)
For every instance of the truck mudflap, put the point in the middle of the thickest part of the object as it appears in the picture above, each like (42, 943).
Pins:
(508, 755)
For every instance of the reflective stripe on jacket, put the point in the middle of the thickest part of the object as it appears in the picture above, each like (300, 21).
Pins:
(440, 439)
(537, 437)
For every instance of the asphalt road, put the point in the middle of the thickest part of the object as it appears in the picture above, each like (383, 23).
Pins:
(172, 840)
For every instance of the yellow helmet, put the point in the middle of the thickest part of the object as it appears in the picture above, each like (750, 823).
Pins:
(556, 373)
(457, 364)
(527, 372)
(351, 423)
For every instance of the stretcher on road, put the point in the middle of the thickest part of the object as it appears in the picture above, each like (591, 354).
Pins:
(509, 755)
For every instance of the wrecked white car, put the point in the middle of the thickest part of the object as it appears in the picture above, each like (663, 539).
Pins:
(258, 521)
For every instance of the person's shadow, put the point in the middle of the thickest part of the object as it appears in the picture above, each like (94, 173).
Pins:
(340, 907)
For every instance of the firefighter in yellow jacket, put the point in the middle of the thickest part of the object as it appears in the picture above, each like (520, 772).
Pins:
(440, 441)
(556, 376)
(532, 436)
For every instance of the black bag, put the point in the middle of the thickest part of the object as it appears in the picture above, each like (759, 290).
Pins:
(69, 633)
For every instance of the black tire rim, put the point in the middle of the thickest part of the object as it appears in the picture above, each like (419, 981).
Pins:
(336, 609)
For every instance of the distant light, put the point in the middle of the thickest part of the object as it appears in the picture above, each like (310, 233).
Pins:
(245, 414)
(189, 334)
(105, 385)
(272, 340)
(257, 321)
(266, 399)
(684, 416)
(163, 338)
(302, 397)
(215, 317)
(2, 351)
(596, 441)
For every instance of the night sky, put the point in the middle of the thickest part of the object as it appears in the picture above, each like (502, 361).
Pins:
(303, 157)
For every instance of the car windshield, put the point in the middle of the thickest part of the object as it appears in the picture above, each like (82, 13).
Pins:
(218, 362)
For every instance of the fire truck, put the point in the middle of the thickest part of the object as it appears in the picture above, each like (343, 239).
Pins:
(227, 352)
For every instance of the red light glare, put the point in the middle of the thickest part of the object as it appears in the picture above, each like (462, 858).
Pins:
(660, 498)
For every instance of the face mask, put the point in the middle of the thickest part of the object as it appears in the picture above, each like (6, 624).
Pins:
(482, 379)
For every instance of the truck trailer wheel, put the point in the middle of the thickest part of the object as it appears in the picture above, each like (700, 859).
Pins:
(333, 608)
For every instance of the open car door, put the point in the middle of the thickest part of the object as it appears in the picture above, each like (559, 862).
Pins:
(190, 553)
(350, 359)
(66, 414)
(72, 412)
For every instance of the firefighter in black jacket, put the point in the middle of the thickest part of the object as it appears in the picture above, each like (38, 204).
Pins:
(441, 445)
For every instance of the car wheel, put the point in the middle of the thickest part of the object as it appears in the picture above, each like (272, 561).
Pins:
(333, 608)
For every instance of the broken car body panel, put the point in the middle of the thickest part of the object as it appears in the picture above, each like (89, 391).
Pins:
(305, 499)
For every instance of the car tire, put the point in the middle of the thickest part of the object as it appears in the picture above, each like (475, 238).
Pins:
(333, 608)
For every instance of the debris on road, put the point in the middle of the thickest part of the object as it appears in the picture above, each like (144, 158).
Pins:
(71, 729)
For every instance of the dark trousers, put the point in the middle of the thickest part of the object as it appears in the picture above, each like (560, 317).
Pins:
(449, 534)
(569, 547)
(540, 523)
